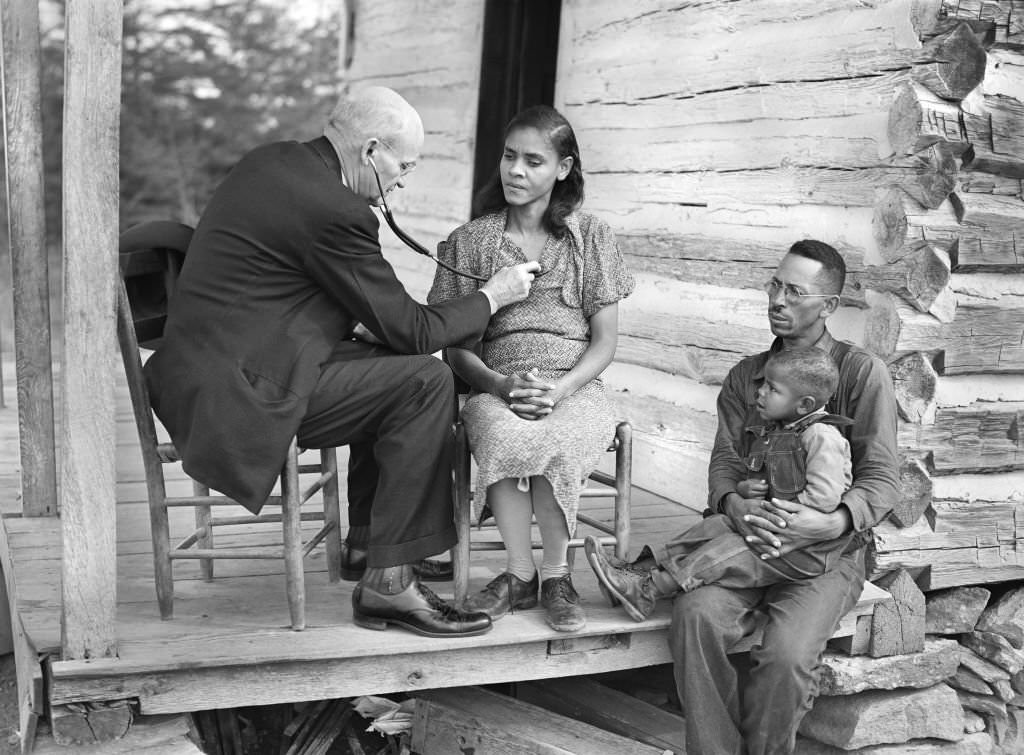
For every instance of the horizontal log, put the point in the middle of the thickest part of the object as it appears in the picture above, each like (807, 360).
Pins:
(970, 543)
(928, 176)
(1005, 15)
(996, 134)
(983, 437)
(990, 216)
(973, 181)
(1003, 72)
(854, 141)
(802, 124)
(674, 422)
(681, 329)
(951, 64)
(919, 275)
(685, 50)
(985, 335)
(979, 230)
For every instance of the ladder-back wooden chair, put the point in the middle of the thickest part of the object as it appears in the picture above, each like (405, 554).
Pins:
(616, 487)
(151, 255)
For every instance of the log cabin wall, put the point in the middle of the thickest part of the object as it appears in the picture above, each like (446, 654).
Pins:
(714, 135)
(429, 51)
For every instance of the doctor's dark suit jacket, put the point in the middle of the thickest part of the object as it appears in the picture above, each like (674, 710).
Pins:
(283, 263)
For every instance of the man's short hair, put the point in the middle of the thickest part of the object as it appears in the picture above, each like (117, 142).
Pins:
(808, 371)
(833, 268)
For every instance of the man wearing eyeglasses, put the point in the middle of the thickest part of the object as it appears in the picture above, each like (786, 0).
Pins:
(759, 711)
(283, 269)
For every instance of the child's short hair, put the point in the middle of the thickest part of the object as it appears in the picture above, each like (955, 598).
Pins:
(808, 371)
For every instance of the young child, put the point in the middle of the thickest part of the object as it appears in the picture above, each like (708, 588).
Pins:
(797, 455)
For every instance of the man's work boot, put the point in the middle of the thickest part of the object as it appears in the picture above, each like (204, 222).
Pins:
(622, 582)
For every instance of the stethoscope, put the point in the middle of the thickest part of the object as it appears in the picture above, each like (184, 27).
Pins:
(408, 240)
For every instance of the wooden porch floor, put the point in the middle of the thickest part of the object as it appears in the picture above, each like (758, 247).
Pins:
(229, 643)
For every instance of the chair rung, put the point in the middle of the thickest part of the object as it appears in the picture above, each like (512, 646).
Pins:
(314, 487)
(606, 528)
(598, 493)
(305, 516)
(317, 538)
(578, 542)
(201, 500)
(604, 479)
(225, 553)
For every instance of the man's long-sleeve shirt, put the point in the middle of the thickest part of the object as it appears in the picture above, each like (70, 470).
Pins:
(865, 395)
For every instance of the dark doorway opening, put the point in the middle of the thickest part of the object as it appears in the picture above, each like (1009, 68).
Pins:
(520, 54)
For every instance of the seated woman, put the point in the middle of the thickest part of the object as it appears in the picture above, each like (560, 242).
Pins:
(537, 419)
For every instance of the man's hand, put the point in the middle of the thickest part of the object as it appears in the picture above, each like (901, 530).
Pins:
(789, 525)
(753, 489)
(747, 518)
(511, 284)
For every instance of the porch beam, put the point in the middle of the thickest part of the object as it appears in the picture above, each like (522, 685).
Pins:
(92, 76)
(26, 219)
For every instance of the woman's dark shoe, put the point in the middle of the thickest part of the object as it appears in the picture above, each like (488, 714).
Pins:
(353, 566)
(504, 593)
(417, 609)
(562, 603)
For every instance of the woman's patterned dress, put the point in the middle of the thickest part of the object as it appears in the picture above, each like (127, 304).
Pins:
(549, 330)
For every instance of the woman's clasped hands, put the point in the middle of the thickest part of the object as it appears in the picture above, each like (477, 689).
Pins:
(529, 396)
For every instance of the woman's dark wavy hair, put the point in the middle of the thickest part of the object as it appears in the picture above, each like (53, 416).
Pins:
(567, 194)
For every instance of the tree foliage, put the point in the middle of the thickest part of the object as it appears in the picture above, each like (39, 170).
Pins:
(204, 84)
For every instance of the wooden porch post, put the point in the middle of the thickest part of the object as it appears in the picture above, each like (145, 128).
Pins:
(92, 83)
(26, 217)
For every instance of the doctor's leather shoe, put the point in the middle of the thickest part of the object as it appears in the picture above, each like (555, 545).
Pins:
(417, 609)
(353, 566)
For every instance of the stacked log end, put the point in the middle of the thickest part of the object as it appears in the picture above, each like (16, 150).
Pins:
(955, 344)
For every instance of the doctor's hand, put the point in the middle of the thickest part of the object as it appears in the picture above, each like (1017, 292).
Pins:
(511, 284)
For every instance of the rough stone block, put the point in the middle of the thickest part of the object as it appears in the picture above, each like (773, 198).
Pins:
(968, 681)
(1008, 609)
(973, 744)
(986, 705)
(1007, 733)
(987, 670)
(973, 722)
(954, 611)
(843, 675)
(885, 717)
(996, 648)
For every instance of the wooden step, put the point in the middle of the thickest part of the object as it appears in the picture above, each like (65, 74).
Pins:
(473, 719)
(583, 699)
